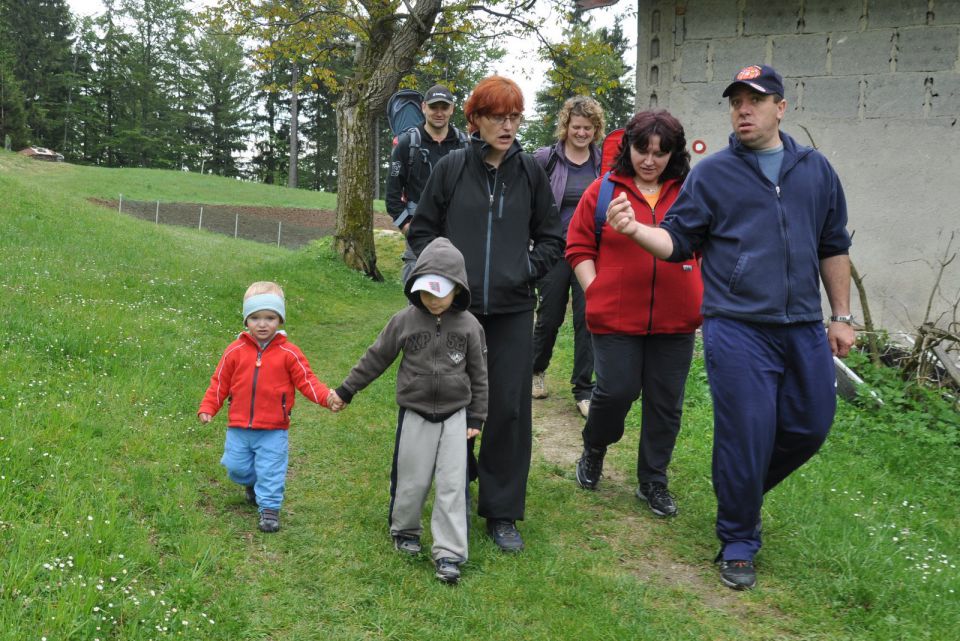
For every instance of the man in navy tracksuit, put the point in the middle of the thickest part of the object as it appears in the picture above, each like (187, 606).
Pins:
(769, 218)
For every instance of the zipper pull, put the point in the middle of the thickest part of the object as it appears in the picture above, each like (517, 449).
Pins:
(259, 357)
(438, 326)
(778, 190)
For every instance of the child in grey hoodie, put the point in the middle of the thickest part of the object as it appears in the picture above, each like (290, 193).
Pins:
(442, 394)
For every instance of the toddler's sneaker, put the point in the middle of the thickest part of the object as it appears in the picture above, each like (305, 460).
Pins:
(448, 570)
(250, 495)
(269, 520)
(407, 543)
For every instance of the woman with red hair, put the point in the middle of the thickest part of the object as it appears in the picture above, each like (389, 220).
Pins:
(494, 203)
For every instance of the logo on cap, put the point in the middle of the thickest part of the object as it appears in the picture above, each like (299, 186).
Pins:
(435, 286)
(749, 73)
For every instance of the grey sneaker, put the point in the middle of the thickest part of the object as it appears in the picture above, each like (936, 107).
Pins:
(590, 467)
(505, 534)
(448, 570)
(540, 385)
(737, 574)
(584, 407)
(407, 543)
(269, 520)
(250, 495)
(658, 498)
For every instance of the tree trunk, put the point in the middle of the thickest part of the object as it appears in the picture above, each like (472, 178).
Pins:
(388, 55)
(292, 180)
(354, 230)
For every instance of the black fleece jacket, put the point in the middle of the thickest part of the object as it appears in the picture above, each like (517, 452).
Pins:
(504, 220)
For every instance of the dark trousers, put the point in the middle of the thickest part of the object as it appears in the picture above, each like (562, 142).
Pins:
(503, 463)
(553, 295)
(655, 366)
(774, 398)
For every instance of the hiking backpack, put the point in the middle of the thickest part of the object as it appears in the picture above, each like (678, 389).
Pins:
(404, 115)
(608, 152)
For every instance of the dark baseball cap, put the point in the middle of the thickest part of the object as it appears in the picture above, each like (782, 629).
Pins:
(761, 78)
(438, 93)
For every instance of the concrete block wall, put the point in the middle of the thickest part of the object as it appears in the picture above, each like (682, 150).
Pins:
(874, 84)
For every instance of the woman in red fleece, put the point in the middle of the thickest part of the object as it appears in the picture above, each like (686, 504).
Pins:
(259, 374)
(642, 312)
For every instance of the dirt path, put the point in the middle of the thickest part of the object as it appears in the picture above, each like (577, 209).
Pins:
(556, 432)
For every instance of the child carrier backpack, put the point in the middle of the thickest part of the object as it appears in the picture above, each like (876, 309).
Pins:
(404, 115)
(608, 152)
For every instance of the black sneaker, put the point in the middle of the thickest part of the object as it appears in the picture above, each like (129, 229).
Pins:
(269, 520)
(448, 570)
(407, 543)
(658, 498)
(505, 534)
(250, 495)
(590, 467)
(738, 574)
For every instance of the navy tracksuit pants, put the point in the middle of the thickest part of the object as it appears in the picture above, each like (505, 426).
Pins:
(774, 398)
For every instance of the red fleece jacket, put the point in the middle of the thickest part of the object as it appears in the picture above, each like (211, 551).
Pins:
(634, 293)
(261, 384)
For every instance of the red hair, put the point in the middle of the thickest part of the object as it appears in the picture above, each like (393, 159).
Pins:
(493, 95)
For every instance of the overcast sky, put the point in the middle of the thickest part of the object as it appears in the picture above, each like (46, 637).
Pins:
(522, 63)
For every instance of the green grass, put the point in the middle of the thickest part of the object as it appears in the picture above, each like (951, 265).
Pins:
(117, 521)
(162, 185)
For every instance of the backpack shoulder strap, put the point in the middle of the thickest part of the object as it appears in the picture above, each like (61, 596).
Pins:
(462, 136)
(413, 134)
(603, 201)
(458, 160)
(552, 161)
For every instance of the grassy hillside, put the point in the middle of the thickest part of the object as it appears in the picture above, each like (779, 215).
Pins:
(158, 184)
(117, 521)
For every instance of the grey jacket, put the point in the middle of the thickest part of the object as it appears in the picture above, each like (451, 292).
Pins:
(444, 366)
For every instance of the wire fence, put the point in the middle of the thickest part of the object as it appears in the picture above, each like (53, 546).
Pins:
(283, 227)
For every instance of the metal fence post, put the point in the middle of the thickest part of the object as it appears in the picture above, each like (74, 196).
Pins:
(120, 208)
(279, 224)
(236, 224)
(156, 218)
(200, 224)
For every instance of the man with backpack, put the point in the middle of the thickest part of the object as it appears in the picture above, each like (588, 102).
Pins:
(417, 152)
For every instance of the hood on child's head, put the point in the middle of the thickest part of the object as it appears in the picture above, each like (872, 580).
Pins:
(441, 257)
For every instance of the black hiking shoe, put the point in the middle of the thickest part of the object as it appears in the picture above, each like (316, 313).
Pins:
(448, 570)
(250, 495)
(269, 520)
(658, 498)
(590, 467)
(407, 543)
(505, 534)
(737, 574)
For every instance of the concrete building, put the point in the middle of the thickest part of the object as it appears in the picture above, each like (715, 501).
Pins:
(874, 84)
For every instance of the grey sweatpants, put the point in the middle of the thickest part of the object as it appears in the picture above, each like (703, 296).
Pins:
(426, 452)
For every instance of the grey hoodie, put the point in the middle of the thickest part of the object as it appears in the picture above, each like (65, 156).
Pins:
(444, 366)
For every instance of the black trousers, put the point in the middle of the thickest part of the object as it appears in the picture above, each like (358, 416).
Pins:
(503, 464)
(553, 296)
(655, 366)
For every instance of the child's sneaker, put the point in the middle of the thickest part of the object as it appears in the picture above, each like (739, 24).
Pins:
(407, 543)
(269, 520)
(448, 570)
(250, 495)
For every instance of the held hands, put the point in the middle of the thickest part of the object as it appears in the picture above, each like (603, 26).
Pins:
(472, 432)
(334, 402)
(841, 337)
(204, 417)
(621, 217)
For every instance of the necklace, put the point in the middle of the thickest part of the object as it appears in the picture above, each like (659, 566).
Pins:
(647, 190)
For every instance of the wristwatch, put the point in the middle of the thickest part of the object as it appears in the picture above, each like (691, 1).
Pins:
(842, 318)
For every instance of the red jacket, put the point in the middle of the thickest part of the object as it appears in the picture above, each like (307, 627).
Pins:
(260, 385)
(634, 293)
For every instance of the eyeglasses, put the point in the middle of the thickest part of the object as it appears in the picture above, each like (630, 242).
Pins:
(514, 118)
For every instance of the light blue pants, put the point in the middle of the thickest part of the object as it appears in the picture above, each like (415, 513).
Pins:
(258, 458)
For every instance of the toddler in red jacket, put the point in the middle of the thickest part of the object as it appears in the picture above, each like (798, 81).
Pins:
(259, 373)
